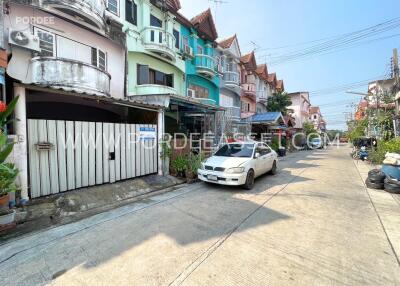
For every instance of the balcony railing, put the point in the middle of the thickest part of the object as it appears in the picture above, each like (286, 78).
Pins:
(231, 78)
(233, 112)
(262, 96)
(70, 75)
(206, 65)
(159, 41)
(90, 11)
(249, 89)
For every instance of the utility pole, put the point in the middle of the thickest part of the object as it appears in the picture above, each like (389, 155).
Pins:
(396, 120)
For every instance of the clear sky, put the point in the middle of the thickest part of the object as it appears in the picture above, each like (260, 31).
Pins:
(278, 23)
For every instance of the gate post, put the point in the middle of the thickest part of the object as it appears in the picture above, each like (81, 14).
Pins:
(160, 138)
(20, 148)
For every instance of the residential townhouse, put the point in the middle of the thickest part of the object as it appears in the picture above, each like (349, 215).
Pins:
(262, 88)
(300, 106)
(272, 83)
(317, 119)
(230, 90)
(248, 83)
(68, 67)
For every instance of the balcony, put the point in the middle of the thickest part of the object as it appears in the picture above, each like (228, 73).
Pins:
(231, 79)
(262, 97)
(90, 12)
(249, 90)
(233, 112)
(159, 41)
(206, 65)
(70, 75)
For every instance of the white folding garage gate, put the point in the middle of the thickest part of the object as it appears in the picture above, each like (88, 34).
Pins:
(68, 155)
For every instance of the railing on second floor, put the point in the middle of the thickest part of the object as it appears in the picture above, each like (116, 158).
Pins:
(262, 96)
(231, 78)
(91, 11)
(206, 65)
(250, 90)
(233, 112)
(70, 75)
(158, 40)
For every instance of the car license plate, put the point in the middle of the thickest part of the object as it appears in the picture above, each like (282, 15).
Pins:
(212, 178)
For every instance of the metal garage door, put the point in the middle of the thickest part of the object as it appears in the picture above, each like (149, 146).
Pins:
(67, 155)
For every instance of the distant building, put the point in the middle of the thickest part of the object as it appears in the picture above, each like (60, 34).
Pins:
(300, 106)
(317, 119)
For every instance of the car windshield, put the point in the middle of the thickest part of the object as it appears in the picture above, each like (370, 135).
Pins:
(236, 150)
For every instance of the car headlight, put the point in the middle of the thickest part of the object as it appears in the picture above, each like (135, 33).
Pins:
(237, 170)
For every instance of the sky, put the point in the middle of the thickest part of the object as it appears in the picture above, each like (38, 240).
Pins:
(276, 27)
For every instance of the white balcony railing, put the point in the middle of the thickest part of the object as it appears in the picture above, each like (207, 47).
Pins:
(91, 11)
(233, 112)
(70, 75)
(206, 64)
(159, 41)
(231, 78)
(262, 96)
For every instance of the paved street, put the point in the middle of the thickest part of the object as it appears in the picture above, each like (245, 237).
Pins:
(312, 224)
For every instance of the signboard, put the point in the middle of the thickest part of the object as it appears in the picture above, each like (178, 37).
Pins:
(147, 133)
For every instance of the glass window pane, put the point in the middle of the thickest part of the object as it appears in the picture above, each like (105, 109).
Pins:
(142, 74)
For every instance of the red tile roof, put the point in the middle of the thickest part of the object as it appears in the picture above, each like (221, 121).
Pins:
(280, 85)
(314, 110)
(204, 24)
(227, 43)
(262, 71)
(249, 61)
(272, 78)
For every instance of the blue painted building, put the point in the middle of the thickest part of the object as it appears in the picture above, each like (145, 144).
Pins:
(202, 65)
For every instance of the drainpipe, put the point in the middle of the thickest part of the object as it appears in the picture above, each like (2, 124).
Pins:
(20, 148)
(161, 131)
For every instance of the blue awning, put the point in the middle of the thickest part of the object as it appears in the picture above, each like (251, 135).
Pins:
(267, 117)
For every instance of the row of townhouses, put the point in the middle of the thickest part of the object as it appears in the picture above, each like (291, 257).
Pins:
(98, 69)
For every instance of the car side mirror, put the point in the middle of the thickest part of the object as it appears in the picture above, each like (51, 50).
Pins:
(257, 155)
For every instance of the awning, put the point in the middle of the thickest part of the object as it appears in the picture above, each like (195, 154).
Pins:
(267, 118)
(194, 104)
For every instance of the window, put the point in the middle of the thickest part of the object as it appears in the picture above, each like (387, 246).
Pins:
(113, 6)
(177, 39)
(315, 116)
(99, 59)
(131, 12)
(263, 150)
(200, 50)
(145, 75)
(155, 22)
(201, 92)
(46, 42)
(245, 106)
(185, 41)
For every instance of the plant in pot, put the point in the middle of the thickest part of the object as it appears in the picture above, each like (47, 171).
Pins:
(194, 163)
(180, 164)
(166, 152)
(8, 171)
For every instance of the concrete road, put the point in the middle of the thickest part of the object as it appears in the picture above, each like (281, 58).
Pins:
(312, 224)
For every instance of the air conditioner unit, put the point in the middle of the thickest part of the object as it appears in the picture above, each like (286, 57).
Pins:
(24, 39)
(188, 50)
(191, 93)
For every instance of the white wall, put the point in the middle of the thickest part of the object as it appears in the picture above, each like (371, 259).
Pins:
(115, 53)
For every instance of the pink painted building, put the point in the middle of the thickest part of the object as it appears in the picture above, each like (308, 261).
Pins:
(248, 84)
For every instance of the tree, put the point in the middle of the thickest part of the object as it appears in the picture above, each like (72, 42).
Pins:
(279, 102)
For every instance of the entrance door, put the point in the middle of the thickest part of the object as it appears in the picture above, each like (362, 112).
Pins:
(68, 155)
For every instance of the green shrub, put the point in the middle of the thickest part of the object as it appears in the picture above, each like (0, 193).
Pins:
(393, 146)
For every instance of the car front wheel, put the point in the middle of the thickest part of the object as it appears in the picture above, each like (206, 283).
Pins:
(249, 180)
(274, 169)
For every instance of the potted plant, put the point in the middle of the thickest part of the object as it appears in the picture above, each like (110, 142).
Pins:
(166, 152)
(180, 165)
(194, 163)
(8, 171)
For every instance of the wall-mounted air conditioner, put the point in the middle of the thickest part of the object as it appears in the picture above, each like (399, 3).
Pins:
(191, 93)
(188, 51)
(24, 39)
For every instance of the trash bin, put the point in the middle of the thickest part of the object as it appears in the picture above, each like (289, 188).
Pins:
(282, 152)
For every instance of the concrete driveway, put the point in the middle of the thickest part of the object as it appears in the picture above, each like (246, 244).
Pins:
(312, 224)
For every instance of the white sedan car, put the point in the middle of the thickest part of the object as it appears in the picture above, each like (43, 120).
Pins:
(237, 164)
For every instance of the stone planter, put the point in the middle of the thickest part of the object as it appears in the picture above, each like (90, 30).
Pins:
(7, 218)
